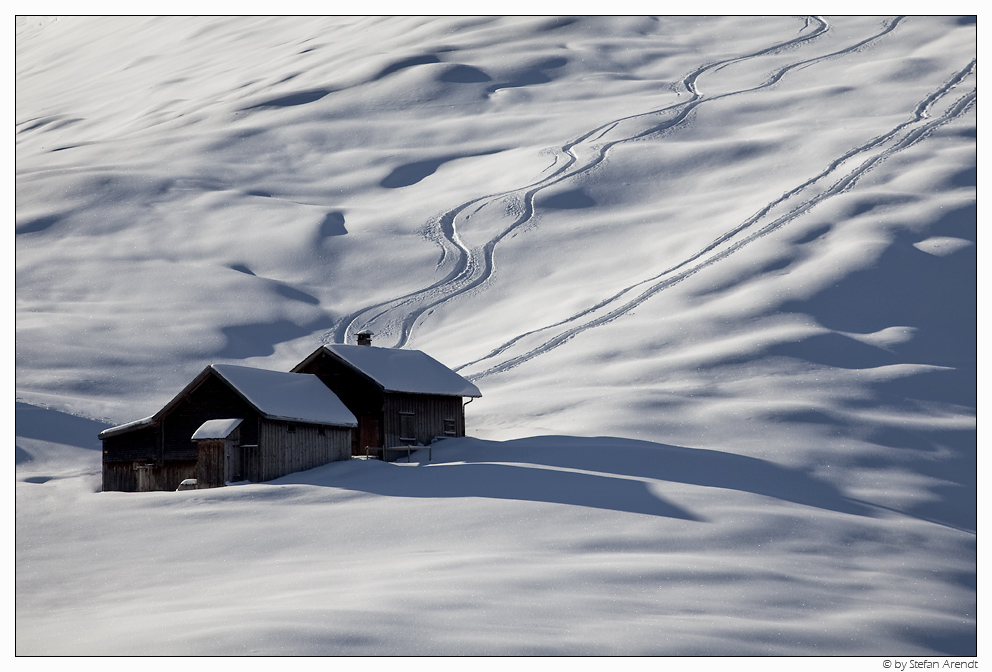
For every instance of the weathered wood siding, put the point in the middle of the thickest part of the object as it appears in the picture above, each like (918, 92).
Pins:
(361, 395)
(119, 476)
(169, 444)
(166, 476)
(280, 452)
(138, 444)
(210, 463)
(122, 452)
(277, 453)
(142, 476)
(126, 458)
(216, 459)
(210, 400)
(427, 421)
(379, 412)
(160, 457)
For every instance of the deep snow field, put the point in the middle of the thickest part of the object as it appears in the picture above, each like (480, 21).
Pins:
(715, 277)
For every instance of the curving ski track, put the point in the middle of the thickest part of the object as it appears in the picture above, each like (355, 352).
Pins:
(474, 266)
(899, 138)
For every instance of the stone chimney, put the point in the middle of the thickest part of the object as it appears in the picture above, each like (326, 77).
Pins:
(364, 337)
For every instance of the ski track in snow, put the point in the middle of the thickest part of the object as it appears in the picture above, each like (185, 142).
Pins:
(475, 266)
(717, 251)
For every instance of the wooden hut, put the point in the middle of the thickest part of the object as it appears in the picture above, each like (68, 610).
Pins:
(219, 452)
(276, 423)
(400, 397)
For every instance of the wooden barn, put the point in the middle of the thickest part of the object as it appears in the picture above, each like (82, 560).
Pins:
(400, 397)
(231, 423)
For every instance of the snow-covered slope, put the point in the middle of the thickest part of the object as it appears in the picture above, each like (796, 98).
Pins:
(740, 251)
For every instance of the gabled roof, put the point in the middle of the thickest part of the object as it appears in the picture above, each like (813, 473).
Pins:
(275, 395)
(394, 370)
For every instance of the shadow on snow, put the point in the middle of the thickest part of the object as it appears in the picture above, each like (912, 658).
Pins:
(43, 424)
(603, 473)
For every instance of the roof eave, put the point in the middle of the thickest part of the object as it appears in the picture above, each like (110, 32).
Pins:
(286, 418)
(432, 394)
(127, 427)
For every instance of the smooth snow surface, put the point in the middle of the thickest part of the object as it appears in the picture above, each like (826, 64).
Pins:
(287, 396)
(216, 429)
(405, 370)
(715, 278)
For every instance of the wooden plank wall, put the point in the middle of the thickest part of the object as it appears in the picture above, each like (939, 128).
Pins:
(281, 452)
(210, 463)
(122, 476)
(119, 476)
(429, 414)
(358, 393)
(172, 473)
(211, 400)
(138, 444)
(278, 453)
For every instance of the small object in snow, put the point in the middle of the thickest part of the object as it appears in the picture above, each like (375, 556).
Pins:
(187, 484)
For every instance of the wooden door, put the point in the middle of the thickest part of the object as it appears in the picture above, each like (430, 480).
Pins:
(231, 455)
(144, 477)
(368, 434)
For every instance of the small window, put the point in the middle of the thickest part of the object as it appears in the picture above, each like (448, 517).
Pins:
(408, 430)
(450, 428)
(320, 430)
(291, 428)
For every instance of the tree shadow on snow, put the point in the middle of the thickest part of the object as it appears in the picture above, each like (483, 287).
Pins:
(259, 339)
(935, 295)
(411, 173)
(603, 473)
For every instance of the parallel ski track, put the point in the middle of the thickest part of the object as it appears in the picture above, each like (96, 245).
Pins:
(474, 266)
(674, 275)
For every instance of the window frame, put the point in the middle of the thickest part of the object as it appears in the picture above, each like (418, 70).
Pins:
(408, 420)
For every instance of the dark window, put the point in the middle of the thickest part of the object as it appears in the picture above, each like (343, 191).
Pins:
(450, 429)
(320, 430)
(291, 429)
(408, 430)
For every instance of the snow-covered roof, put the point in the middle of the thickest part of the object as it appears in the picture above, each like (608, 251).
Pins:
(287, 396)
(276, 395)
(126, 427)
(410, 371)
(216, 429)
